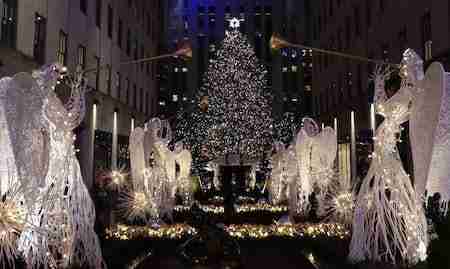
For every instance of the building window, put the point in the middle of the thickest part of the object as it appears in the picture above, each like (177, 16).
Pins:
(83, 6)
(149, 24)
(97, 73)
(128, 42)
(268, 32)
(382, 5)
(227, 12)
(142, 103)
(147, 107)
(134, 96)
(110, 21)
(212, 16)
(331, 8)
(81, 56)
(348, 31)
(120, 33)
(426, 35)
(143, 56)
(136, 45)
(201, 10)
(40, 35)
(8, 24)
(148, 64)
(127, 93)
(108, 78)
(385, 52)
(201, 57)
(258, 24)
(201, 22)
(369, 13)
(359, 78)
(119, 85)
(98, 13)
(403, 38)
(62, 48)
(357, 21)
(339, 40)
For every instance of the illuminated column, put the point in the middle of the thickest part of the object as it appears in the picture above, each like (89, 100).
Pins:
(336, 126)
(87, 147)
(132, 123)
(372, 119)
(114, 142)
(353, 146)
(337, 141)
(323, 126)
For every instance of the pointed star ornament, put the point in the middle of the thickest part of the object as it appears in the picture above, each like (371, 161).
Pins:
(235, 23)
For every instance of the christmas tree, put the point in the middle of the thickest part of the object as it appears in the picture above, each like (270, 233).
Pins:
(234, 112)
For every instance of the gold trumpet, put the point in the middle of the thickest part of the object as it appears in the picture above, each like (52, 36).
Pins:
(184, 50)
(277, 42)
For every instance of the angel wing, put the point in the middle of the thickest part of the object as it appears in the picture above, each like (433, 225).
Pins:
(8, 170)
(430, 134)
(137, 158)
(329, 146)
(27, 129)
(424, 120)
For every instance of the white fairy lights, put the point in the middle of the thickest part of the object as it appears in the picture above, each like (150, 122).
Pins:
(244, 231)
(12, 223)
(237, 119)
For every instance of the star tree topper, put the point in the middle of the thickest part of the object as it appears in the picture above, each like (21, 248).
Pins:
(235, 23)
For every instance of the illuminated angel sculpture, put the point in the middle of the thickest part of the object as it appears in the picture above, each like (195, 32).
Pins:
(58, 227)
(429, 130)
(323, 155)
(389, 222)
(302, 187)
(183, 158)
(154, 173)
(277, 178)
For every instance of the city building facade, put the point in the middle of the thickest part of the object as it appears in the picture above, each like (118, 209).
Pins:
(378, 29)
(382, 30)
(90, 34)
(204, 23)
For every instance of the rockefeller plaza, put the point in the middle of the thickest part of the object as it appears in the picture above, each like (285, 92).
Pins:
(224, 134)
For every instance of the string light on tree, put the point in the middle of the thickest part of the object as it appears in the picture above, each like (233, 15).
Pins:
(238, 115)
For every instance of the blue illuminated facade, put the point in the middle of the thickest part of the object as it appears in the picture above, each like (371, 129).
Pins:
(204, 23)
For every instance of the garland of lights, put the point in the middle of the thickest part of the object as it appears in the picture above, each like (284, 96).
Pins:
(245, 231)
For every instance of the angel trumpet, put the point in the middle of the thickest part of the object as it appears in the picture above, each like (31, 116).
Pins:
(277, 42)
(184, 50)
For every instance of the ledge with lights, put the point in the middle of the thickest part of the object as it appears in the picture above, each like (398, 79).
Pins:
(245, 213)
(244, 232)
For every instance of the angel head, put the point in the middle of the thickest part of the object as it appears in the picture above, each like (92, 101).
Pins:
(411, 66)
(48, 75)
(310, 126)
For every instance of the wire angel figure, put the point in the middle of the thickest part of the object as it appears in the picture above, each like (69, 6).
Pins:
(389, 223)
(302, 187)
(45, 179)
